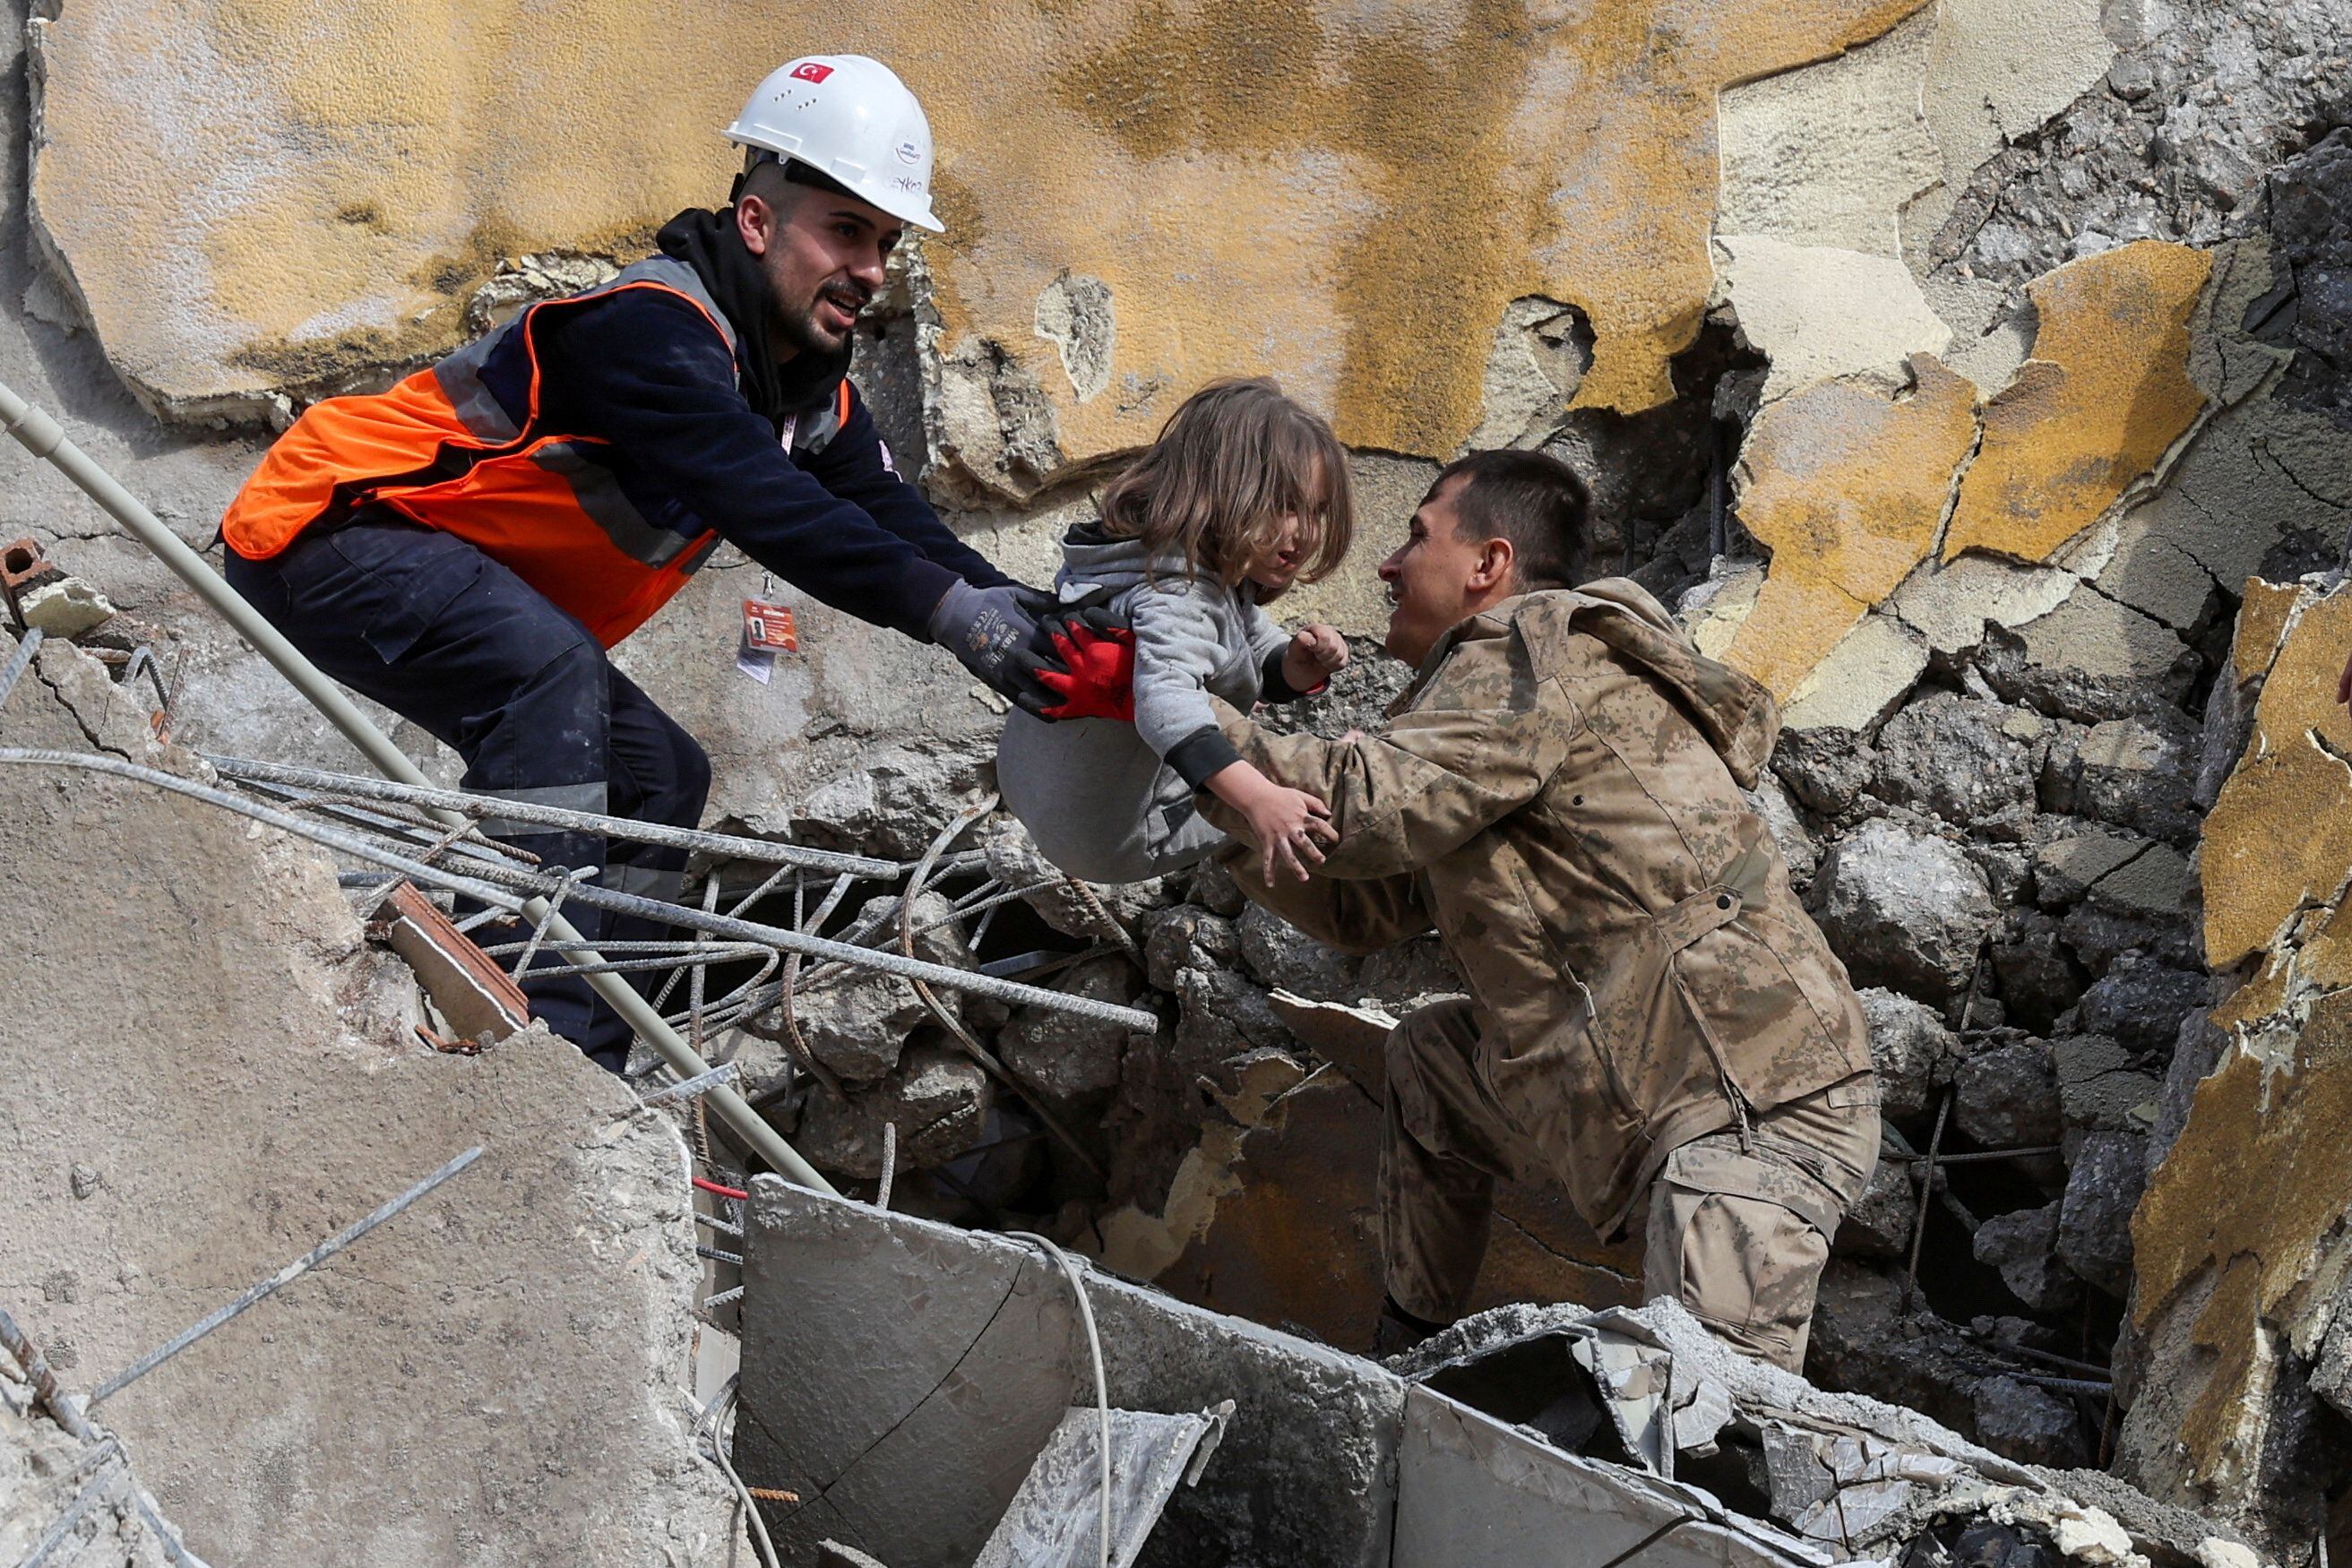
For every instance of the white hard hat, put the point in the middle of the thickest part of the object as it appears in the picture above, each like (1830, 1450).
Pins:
(852, 120)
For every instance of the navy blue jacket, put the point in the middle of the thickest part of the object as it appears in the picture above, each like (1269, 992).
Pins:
(642, 370)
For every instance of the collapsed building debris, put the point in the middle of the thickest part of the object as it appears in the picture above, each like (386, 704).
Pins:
(900, 1376)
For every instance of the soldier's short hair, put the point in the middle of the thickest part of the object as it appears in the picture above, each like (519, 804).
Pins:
(1533, 499)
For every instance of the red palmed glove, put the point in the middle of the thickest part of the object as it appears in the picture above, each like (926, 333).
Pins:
(1097, 675)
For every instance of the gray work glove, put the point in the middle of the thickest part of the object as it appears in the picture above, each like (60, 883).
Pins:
(993, 633)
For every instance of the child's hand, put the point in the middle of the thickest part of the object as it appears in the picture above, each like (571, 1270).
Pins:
(1315, 653)
(1289, 825)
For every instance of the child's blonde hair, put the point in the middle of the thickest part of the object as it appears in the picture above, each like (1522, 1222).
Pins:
(1230, 464)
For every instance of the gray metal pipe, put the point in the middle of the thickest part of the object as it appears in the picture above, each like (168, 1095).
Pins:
(45, 439)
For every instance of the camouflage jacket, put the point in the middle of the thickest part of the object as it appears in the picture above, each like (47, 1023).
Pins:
(1557, 793)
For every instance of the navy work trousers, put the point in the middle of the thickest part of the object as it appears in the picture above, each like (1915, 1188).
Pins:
(441, 634)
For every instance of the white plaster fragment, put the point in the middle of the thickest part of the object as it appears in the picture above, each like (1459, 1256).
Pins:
(1860, 680)
(1074, 313)
(1949, 605)
(1819, 312)
(1828, 154)
(2000, 68)
(1713, 612)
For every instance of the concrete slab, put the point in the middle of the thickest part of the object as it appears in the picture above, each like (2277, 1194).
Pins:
(958, 1326)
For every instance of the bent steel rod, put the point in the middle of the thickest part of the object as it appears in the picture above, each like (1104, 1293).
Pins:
(45, 439)
(483, 806)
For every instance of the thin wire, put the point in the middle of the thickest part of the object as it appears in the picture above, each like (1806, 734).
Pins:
(1102, 1386)
(715, 1417)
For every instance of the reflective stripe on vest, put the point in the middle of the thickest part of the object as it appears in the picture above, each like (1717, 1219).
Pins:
(440, 450)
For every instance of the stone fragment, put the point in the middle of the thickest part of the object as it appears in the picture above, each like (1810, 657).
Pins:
(2099, 938)
(1911, 1049)
(892, 804)
(64, 607)
(2028, 1422)
(1063, 1056)
(2007, 1095)
(2309, 209)
(1187, 937)
(2153, 885)
(937, 1097)
(2038, 976)
(857, 1022)
(1864, 1342)
(2089, 659)
(1278, 954)
(2105, 393)
(1962, 758)
(1403, 976)
(2023, 1246)
(2140, 1006)
(1825, 768)
(2104, 1184)
(2100, 1085)
(1902, 909)
(1219, 1015)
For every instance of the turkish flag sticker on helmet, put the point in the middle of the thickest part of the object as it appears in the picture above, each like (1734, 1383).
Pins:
(809, 70)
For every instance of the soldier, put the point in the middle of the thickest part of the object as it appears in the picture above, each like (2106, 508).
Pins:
(1653, 1021)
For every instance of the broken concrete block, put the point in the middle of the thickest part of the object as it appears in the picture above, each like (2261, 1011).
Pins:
(2103, 1182)
(2140, 1006)
(906, 1373)
(2007, 1096)
(63, 608)
(1902, 909)
(1061, 1054)
(1188, 937)
(2024, 1246)
(2039, 978)
(2065, 869)
(1971, 762)
(2098, 1088)
(1910, 1047)
(2027, 1423)
(1825, 768)
(1879, 1224)
(2089, 659)
(937, 1097)
(512, 1347)
(1279, 956)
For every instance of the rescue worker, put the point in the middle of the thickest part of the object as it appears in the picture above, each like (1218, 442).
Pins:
(1653, 1022)
(465, 547)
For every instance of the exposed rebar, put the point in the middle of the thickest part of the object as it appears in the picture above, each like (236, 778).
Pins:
(45, 439)
(287, 1276)
(479, 806)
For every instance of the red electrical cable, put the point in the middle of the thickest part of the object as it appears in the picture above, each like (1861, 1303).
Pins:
(710, 1187)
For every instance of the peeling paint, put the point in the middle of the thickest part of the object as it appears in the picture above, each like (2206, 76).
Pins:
(1348, 198)
(2106, 392)
(1847, 488)
(2280, 837)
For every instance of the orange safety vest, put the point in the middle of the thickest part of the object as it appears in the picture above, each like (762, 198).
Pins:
(440, 450)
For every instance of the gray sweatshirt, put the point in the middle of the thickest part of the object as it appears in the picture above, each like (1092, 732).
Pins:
(1111, 802)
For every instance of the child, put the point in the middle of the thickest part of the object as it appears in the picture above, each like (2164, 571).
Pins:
(1244, 494)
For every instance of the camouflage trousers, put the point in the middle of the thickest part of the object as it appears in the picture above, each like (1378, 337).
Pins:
(1738, 1235)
